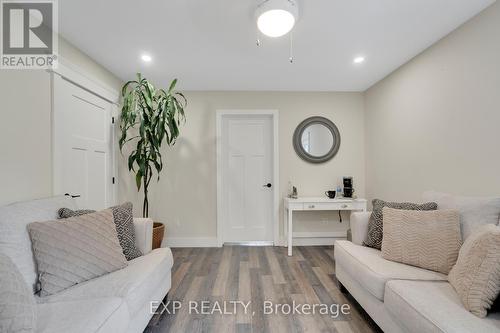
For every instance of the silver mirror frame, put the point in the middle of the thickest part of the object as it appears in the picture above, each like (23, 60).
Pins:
(297, 140)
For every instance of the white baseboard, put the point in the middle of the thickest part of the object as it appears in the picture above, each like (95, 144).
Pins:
(315, 238)
(299, 239)
(315, 241)
(190, 242)
(332, 234)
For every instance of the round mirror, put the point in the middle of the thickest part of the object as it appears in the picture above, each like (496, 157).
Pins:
(316, 140)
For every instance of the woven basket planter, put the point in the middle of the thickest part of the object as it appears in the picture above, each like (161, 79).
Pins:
(158, 232)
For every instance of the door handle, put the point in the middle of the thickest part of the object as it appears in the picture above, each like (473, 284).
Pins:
(73, 196)
(268, 185)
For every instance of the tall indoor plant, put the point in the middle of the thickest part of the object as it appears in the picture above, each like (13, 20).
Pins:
(149, 117)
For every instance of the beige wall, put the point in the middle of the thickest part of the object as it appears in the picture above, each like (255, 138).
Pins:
(435, 122)
(25, 126)
(25, 168)
(185, 198)
(432, 124)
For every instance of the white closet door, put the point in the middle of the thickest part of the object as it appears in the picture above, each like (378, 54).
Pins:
(82, 135)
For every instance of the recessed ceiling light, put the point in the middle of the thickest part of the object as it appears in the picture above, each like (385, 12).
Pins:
(359, 60)
(276, 18)
(146, 58)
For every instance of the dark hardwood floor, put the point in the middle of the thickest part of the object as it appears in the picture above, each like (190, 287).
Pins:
(256, 275)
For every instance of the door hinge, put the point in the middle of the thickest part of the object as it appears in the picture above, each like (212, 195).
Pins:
(112, 120)
(113, 180)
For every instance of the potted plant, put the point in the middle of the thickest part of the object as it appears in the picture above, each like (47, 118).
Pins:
(149, 118)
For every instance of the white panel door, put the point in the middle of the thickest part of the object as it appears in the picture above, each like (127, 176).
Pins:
(247, 182)
(82, 145)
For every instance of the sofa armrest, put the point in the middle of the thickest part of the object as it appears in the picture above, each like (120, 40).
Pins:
(359, 226)
(143, 228)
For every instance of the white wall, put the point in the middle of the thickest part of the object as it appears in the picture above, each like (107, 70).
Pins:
(434, 123)
(25, 126)
(185, 198)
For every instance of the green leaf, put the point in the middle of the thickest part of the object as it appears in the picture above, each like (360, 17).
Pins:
(138, 180)
(125, 86)
(131, 160)
(172, 86)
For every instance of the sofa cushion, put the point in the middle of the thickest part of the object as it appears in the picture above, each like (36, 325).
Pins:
(474, 211)
(65, 213)
(476, 276)
(136, 283)
(426, 239)
(376, 225)
(14, 239)
(124, 222)
(74, 250)
(426, 306)
(17, 303)
(83, 316)
(369, 269)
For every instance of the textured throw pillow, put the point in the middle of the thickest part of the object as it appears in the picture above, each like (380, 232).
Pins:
(375, 225)
(426, 239)
(75, 250)
(476, 275)
(474, 211)
(65, 213)
(14, 238)
(124, 221)
(17, 303)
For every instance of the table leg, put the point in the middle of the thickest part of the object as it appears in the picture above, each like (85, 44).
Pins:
(290, 232)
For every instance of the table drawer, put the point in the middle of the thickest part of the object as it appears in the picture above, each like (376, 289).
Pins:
(329, 206)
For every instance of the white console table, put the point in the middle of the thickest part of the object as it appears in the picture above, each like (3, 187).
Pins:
(312, 204)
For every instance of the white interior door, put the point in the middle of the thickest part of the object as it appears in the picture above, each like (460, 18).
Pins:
(82, 145)
(247, 178)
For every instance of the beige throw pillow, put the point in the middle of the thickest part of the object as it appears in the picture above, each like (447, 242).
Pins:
(75, 250)
(426, 239)
(476, 275)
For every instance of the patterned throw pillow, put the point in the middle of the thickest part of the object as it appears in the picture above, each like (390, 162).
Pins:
(476, 275)
(375, 225)
(65, 213)
(124, 222)
(74, 250)
(426, 239)
(17, 303)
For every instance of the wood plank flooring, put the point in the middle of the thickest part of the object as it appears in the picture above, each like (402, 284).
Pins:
(257, 274)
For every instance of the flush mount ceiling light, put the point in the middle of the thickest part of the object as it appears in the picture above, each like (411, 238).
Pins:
(276, 18)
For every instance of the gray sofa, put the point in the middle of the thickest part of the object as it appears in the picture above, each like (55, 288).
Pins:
(398, 297)
(116, 302)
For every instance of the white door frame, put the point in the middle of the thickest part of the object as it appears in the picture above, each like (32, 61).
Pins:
(220, 114)
(74, 74)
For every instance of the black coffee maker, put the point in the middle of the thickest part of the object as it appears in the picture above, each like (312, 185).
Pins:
(348, 189)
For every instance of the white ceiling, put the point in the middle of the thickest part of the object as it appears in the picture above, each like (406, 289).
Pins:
(210, 44)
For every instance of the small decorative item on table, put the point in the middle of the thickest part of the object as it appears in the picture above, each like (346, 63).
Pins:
(158, 232)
